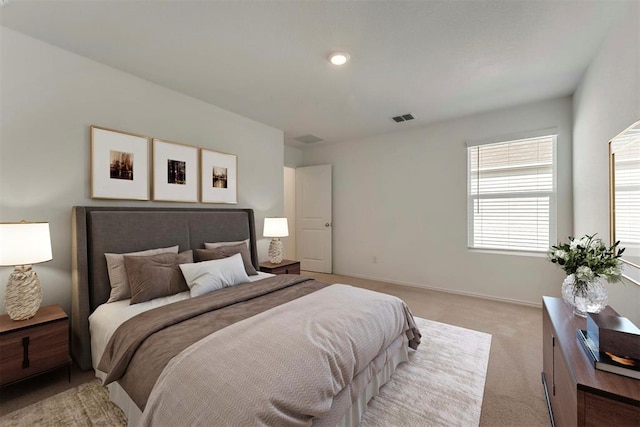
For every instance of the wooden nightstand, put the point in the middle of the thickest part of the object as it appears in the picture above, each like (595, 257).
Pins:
(287, 266)
(34, 346)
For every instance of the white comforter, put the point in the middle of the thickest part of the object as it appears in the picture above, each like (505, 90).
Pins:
(283, 367)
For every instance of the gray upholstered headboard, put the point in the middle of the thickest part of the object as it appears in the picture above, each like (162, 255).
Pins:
(97, 230)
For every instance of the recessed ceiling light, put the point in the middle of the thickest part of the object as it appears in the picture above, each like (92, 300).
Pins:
(339, 58)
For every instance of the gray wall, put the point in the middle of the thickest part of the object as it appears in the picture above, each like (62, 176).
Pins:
(50, 97)
(402, 198)
(606, 102)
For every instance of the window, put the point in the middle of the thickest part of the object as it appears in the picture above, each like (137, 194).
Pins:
(625, 197)
(512, 195)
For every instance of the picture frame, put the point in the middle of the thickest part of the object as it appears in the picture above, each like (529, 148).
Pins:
(175, 172)
(218, 177)
(119, 165)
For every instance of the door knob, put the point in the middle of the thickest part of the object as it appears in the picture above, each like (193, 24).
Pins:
(328, 224)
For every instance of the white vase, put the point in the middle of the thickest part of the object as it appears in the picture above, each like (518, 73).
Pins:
(589, 298)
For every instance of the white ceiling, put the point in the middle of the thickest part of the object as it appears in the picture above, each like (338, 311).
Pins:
(266, 60)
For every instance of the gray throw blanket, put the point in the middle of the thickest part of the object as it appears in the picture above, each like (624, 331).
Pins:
(142, 346)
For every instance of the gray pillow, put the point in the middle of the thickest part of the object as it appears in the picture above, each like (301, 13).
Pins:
(118, 274)
(156, 276)
(218, 244)
(227, 251)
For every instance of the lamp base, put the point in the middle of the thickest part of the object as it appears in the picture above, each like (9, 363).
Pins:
(276, 251)
(23, 294)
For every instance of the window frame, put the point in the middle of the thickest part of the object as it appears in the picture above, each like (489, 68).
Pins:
(552, 132)
(630, 269)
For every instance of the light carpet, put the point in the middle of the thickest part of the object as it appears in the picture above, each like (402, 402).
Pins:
(441, 385)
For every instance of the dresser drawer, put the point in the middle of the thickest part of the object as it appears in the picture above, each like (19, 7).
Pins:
(32, 350)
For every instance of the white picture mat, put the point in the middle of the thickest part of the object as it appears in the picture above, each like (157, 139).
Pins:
(103, 141)
(210, 194)
(164, 151)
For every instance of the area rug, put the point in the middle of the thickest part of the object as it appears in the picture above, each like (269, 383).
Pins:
(441, 385)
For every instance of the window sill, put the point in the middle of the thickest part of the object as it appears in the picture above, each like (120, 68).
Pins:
(534, 254)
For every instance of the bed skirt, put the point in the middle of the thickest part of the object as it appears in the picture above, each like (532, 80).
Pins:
(351, 418)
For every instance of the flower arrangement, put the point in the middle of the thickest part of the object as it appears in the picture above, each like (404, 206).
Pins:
(588, 258)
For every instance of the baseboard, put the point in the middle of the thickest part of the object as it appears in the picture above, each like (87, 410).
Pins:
(449, 291)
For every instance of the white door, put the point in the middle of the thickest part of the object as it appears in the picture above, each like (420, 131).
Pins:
(313, 218)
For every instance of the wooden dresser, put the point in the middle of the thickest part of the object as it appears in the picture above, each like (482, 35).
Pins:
(578, 394)
(34, 346)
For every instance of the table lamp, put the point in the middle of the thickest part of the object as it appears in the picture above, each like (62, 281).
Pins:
(275, 228)
(21, 245)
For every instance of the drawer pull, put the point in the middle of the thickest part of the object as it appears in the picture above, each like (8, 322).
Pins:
(25, 352)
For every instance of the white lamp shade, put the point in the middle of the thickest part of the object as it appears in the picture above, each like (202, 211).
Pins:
(275, 227)
(24, 243)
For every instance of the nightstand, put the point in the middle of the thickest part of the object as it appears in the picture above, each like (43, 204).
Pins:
(34, 346)
(287, 266)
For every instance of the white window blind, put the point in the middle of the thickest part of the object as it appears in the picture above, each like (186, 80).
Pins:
(627, 193)
(512, 194)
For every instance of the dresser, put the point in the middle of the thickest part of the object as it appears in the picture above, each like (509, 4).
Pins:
(577, 393)
(34, 346)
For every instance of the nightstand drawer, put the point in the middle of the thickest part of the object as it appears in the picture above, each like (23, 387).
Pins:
(285, 267)
(32, 350)
(289, 269)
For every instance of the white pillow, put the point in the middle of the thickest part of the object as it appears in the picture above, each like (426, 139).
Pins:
(118, 279)
(207, 276)
(218, 244)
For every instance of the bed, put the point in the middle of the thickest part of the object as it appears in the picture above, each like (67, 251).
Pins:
(284, 350)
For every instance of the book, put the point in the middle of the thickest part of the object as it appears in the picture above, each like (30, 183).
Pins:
(614, 334)
(606, 361)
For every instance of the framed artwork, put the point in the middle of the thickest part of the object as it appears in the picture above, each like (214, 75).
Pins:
(119, 165)
(219, 177)
(175, 172)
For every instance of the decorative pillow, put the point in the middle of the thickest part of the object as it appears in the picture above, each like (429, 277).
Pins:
(118, 274)
(208, 276)
(156, 276)
(218, 244)
(227, 251)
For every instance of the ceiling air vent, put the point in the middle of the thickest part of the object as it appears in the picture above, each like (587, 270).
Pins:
(403, 118)
(309, 139)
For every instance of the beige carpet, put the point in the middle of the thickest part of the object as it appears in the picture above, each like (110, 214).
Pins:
(442, 385)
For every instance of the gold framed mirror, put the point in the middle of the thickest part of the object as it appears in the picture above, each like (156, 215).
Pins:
(624, 198)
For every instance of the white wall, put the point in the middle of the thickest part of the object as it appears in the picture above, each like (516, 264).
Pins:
(50, 97)
(292, 156)
(606, 102)
(402, 197)
(290, 212)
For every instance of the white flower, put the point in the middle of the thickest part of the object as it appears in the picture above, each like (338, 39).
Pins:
(582, 242)
(560, 254)
(610, 272)
(584, 274)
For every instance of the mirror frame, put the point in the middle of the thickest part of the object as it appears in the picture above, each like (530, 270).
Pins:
(630, 270)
